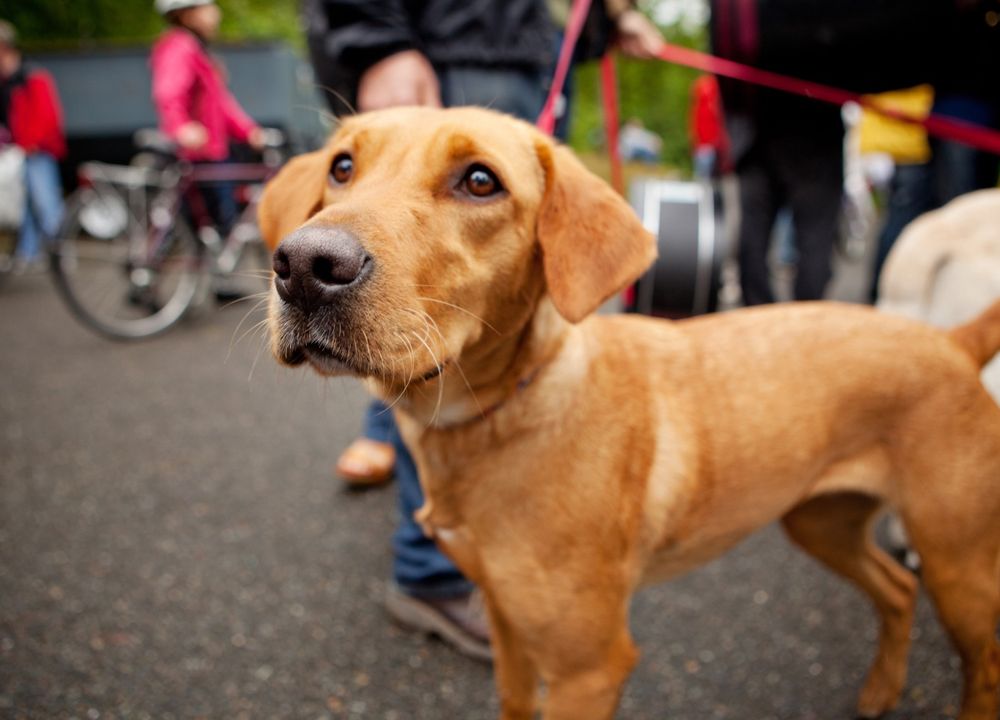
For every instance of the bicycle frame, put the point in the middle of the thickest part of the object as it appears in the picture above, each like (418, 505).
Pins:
(154, 199)
(248, 176)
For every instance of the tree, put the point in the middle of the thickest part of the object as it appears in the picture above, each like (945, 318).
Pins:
(52, 24)
(657, 93)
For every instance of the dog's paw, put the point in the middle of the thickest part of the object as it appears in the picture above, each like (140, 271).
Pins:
(878, 697)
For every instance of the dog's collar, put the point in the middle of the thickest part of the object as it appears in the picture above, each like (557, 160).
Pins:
(486, 412)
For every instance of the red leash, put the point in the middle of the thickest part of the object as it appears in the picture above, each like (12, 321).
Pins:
(547, 119)
(578, 15)
(968, 133)
(609, 83)
(949, 128)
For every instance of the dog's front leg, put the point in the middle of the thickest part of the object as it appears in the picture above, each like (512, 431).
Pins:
(570, 624)
(515, 672)
(589, 687)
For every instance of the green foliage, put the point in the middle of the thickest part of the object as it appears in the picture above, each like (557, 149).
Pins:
(657, 93)
(44, 24)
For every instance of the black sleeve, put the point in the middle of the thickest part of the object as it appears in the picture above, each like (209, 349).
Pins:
(346, 37)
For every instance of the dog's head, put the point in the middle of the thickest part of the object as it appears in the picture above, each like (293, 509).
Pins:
(416, 234)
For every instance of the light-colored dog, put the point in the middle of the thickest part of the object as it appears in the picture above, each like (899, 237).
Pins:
(945, 267)
(945, 270)
(453, 258)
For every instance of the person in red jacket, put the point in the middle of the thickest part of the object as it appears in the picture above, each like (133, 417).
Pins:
(31, 117)
(195, 107)
(707, 128)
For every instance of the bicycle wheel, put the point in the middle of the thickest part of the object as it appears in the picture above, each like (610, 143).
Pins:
(118, 281)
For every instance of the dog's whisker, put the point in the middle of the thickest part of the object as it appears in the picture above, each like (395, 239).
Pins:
(323, 112)
(256, 357)
(438, 367)
(368, 347)
(461, 309)
(434, 326)
(261, 301)
(243, 299)
(406, 385)
(250, 273)
(232, 343)
(256, 327)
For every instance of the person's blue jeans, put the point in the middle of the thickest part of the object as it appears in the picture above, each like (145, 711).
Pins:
(43, 205)
(219, 198)
(419, 567)
(911, 194)
(705, 159)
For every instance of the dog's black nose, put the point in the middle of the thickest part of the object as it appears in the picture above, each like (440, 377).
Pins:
(313, 264)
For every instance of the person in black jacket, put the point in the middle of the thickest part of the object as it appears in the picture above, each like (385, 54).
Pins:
(372, 54)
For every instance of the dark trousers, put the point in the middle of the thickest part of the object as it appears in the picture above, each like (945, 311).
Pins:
(805, 173)
(961, 169)
(910, 195)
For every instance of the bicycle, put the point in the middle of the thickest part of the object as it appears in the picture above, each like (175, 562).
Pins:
(128, 263)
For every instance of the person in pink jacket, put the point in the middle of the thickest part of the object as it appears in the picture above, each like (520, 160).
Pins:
(195, 107)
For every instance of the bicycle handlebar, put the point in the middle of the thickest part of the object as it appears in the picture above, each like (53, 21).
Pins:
(274, 138)
(155, 140)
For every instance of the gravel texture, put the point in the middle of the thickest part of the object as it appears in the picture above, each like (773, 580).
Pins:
(173, 545)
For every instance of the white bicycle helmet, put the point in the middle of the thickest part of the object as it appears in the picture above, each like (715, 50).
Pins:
(168, 6)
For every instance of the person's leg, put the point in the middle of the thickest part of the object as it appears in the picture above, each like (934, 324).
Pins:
(379, 423)
(704, 161)
(224, 208)
(987, 170)
(419, 567)
(955, 170)
(44, 204)
(429, 594)
(220, 202)
(29, 236)
(909, 197)
(758, 207)
(814, 177)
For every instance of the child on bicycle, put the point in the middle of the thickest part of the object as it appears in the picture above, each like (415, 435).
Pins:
(195, 107)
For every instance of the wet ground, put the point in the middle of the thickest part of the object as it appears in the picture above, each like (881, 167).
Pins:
(173, 545)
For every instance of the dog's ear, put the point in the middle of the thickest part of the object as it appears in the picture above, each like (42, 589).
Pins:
(293, 195)
(592, 242)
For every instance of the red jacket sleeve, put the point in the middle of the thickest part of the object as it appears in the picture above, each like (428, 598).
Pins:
(173, 64)
(42, 126)
(239, 125)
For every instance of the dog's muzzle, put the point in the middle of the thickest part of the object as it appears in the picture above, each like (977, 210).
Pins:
(314, 265)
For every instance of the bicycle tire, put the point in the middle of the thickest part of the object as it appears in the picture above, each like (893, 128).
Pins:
(108, 290)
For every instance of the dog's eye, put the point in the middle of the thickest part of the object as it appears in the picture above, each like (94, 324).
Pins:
(480, 181)
(342, 168)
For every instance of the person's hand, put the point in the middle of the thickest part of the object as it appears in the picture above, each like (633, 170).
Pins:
(257, 139)
(192, 135)
(637, 36)
(405, 78)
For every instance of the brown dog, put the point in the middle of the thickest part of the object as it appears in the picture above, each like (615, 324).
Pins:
(453, 258)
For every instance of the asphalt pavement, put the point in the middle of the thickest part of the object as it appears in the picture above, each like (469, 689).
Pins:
(174, 545)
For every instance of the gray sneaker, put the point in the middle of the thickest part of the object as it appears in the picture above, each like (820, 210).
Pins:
(459, 621)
